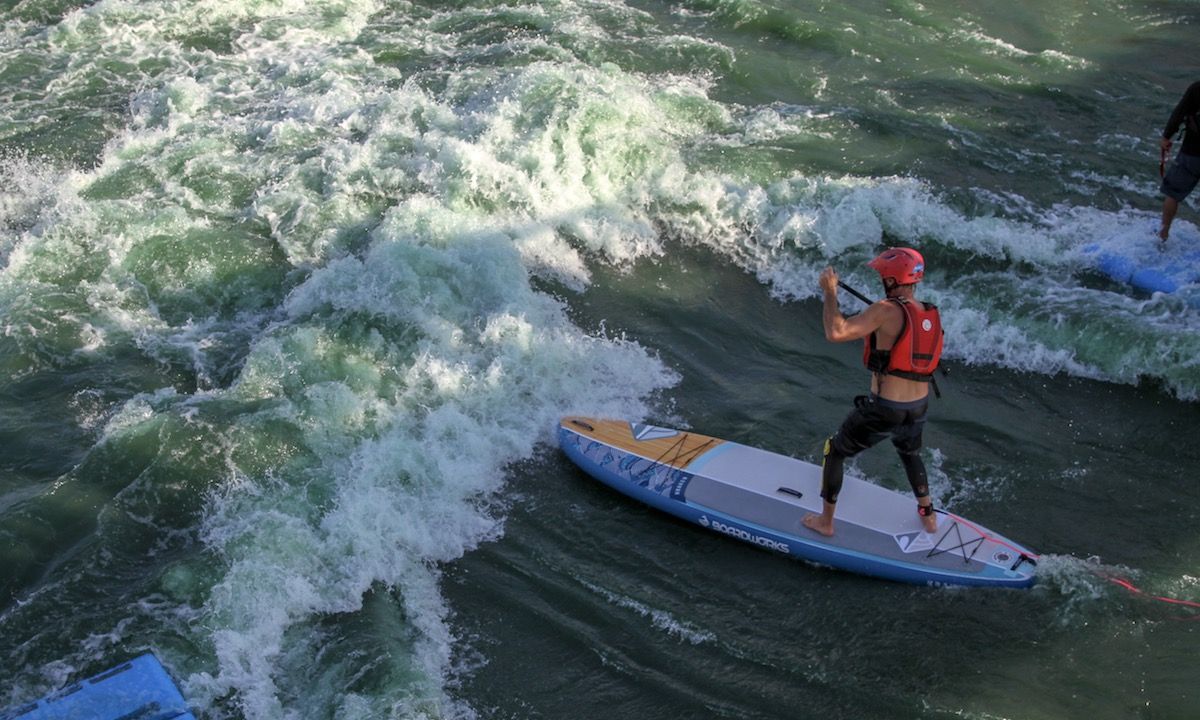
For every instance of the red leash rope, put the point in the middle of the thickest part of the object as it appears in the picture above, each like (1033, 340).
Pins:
(1115, 580)
(1138, 591)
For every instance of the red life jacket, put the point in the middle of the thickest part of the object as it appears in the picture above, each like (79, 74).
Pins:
(917, 350)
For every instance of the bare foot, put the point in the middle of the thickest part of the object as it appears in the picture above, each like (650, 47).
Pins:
(930, 522)
(1162, 240)
(818, 523)
(928, 517)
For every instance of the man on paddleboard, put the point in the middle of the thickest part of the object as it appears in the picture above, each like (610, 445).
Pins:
(1184, 172)
(902, 344)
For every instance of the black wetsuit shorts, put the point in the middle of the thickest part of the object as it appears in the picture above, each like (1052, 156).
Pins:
(875, 419)
(1181, 176)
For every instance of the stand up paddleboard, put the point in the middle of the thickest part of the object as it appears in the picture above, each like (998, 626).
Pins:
(760, 497)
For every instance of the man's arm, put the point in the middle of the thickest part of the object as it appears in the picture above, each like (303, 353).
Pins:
(838, 327)
(1188, 105)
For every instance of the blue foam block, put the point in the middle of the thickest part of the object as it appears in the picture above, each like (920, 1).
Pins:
(140, 688)
(1190, 266)
(1117, 267)
(1153, 280)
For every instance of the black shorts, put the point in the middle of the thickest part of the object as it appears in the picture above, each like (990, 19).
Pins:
(1181, 176)
(875, 419)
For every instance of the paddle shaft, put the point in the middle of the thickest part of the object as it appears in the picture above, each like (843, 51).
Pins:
(854, 292)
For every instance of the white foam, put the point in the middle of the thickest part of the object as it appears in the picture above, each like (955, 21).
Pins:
(1081, 587)
(1022, 320)
(998, 46)
(460, 369)
(567, 166)
(30, 187)
(660, 619)
(478, 366)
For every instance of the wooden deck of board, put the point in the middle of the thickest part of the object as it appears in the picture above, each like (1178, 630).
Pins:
(677, 451)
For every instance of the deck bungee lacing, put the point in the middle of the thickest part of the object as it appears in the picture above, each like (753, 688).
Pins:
(973, 544)
(680, 458)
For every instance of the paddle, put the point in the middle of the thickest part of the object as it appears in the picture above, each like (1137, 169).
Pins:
(854, 292)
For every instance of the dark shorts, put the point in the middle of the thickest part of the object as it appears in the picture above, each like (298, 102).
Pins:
(875, 419)
(1181, 177)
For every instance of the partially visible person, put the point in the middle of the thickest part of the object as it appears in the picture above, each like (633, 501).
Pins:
(902, 340)
(1181, 177)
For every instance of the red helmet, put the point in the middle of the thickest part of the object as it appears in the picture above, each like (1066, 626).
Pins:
(905, 266)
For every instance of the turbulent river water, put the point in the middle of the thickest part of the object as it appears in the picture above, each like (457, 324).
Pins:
(292, 295)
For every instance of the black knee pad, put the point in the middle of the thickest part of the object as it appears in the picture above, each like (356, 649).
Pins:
(831, 472)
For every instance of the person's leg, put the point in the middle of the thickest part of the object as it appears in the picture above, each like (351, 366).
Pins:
(1170, 207)
(861, 429)
(1180, 179)
(908, 440)
(832, 472)
(914, 468)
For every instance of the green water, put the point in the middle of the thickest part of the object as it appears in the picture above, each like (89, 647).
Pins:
(293, 294)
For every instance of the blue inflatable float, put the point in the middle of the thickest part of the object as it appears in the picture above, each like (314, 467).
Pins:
(140, 688)
(1151, 271)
